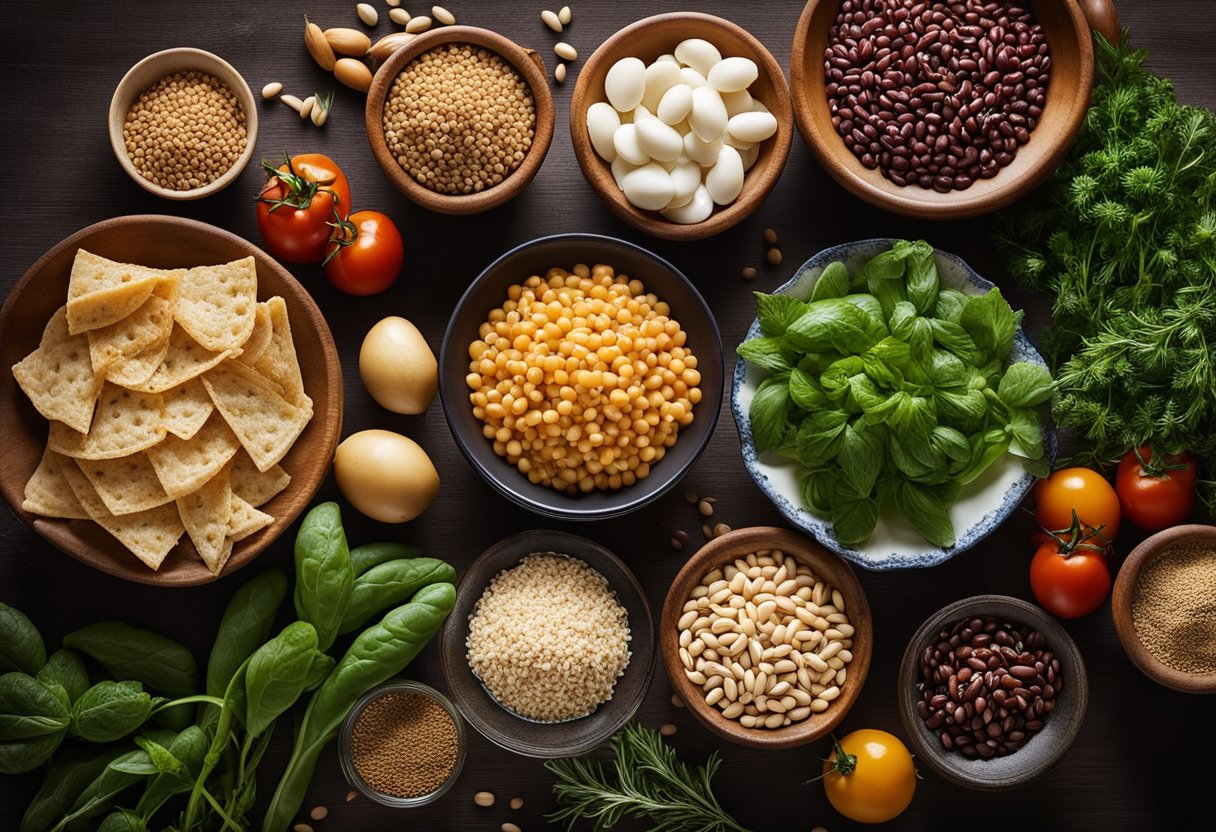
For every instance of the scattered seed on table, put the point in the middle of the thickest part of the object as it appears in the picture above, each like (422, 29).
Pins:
(306, 106)
(517, 803)
(271, 90)
(510, 827)
(393, 3)
(352, 794)
(706, 506)
(301, 827)
(559, 73)
(318, 813)
(676, 701)
(820, 829)
(368, 14)
(677, 544)
(708, 531)
(773, 257)
(418, 24)
(690, 497)
(443, 15)
(770, 236)
(565, 16)
(484, 798)
(667, 729)
(566, 52)
(551, 20)
(721, 529)
(749, 273)
(399, 16)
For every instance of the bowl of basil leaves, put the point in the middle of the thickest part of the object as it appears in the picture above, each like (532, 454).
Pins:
(889, 403)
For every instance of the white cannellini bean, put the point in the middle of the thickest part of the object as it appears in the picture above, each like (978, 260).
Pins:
(649, 188)
(673, 108)
(704, 154)
(708, 117)
(669, 58)
(551, 20)
(725, 182)
(660, 77)
(685, 176)
(732, 74)
(271, 90)
(698, 53)
(564, 15)
(751, 127)
(693, 78)
(625, 84)
(625, 140)
(620, 169)
(662, 143)
(566, 52)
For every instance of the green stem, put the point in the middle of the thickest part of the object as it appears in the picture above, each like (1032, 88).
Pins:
(187, 700)
(229, 823)
(223, 730)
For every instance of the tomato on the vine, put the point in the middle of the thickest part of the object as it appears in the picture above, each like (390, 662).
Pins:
(365, 254)
(301, 198)
(1156, 492)
(1077, 489)
(1069, 580)
(870, 777)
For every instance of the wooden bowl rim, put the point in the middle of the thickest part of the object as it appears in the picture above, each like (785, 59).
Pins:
(598, 173)
(914, 201)
(246, 550)
(722, 550)
(1062, 645)
(1121, 609)
(527, 62)
(177, 59)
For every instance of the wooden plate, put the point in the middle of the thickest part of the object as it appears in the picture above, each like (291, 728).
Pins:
(161, 242)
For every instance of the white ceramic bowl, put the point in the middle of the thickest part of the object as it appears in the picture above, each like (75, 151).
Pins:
(981, 506)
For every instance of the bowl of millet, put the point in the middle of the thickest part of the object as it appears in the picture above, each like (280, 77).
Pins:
(183, 123)
(460, 119)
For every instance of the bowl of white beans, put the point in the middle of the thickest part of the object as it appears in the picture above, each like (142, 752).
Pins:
(681, 123)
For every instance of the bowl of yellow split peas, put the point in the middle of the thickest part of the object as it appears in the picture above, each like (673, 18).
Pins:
(581, 376)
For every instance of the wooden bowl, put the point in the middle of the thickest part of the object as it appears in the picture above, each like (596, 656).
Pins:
(527, 62)
(1121, 609)
(1072, 71)
(647, 39)
(161, 242)
(547, 740)
(150, 70)
(1041, 751)
(724, 550)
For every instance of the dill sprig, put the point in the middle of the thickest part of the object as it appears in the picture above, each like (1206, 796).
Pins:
(643, 778)
(1124, 237)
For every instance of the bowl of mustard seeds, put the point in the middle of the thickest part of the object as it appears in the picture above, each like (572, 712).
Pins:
(183, 123)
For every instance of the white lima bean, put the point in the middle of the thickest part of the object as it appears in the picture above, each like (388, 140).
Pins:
(649, 187)
(602, 122)
(708, 117)
(625, 140)
(659, 141)
(697, 53)
(551, 20)
(733, 74)
(675, 104)
(625, 84)
(659, 78)
(695, 211)
(752, 127)
(564, 15)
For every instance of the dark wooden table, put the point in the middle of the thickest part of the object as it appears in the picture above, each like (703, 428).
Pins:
(1138, 760)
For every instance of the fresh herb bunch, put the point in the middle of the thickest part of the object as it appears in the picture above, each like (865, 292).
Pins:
(1124, 236)
(644, 779)
(892, 393)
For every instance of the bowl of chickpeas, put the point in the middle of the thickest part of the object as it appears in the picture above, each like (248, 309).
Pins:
(581, 376)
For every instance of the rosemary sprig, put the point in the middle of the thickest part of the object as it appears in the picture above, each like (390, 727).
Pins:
(643, 779)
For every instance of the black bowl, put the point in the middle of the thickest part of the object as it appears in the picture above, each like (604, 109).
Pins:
(547, 739)
(488, 292)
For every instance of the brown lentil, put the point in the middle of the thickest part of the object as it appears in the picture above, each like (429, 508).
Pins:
(668, 730)
(185, 131)
(459, 119)
(936, 94)
(706, 506)
(770, 236)
(517, 803)
(773, 257)
(404, 744)
(1174, 607)
(987, 686)
(749, 273)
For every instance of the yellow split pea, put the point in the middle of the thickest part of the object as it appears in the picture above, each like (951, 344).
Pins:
(582, 379)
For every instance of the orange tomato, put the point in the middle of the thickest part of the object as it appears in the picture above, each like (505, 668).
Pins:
(871, 777)
(1077, 489)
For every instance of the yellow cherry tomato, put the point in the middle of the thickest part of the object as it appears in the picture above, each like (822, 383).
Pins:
(870, 777)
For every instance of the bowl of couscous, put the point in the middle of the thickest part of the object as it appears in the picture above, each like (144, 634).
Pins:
(581, 376)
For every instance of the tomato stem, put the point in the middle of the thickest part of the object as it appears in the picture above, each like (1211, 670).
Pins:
(1074, 538)
(300, 191)
(842, 763)
(1156, 467)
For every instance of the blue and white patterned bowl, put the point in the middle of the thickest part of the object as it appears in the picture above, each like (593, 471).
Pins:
(982, 506)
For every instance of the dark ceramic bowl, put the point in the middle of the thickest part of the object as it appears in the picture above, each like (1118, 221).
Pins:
(489, 291)
(1045, 748)
(547, 740)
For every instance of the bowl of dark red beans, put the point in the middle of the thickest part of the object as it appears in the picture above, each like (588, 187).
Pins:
(944, 110)
(992, 692)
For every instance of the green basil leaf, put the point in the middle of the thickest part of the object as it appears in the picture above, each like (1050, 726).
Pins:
(951, 336)
(21, 646)
(806, 393)
(162, 758)
(913, 455)
(861, 457)
(1025, 385)
(138, 763)
(965, 410)
(876, 319)
(1027, 433)
(947, 370)
(109, 711)
(853, 518)
(1040, 468)
(986, 448)
(130, 653)
(66, 669)
(70, 772)
(834, 324)
(277, 675)
(950, 305)
(770, 354)
(864, 394)
(922, 278)
(833, 282)
(926, 512)
(818, 490)
(190, 748)
(324, 575)
(768, 413)
(820, 436)
(123, 820)
(991, 323)
(20, 756)
(777, 312)
(29, 709)
(952, 443)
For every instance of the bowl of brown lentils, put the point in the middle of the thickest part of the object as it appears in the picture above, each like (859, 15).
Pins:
(460, 119)
(183, 123)
(992, 692)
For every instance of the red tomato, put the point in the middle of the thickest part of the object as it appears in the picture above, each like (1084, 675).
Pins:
(1069, 584)
(366, 254)
(1156, 495)
(301, 198)
(1080, 489)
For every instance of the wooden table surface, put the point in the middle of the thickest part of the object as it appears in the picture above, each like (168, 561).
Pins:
(1139, 757)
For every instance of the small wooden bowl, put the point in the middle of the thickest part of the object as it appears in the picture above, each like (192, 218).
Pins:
(647, 39)
(724, 550)
(150, 70)
(1067, 27)
(1121, 609)
(527, 62)
(162, 242)
(1044, 749)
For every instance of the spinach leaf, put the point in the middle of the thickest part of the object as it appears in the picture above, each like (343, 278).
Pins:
(20, 756)
(777, 312)
(123, 820)
(130, 653)
(854, 515)
(189, 748)
(21, 646)
(820, 436)
(951, 443)
(29, 709)
(389, 585)
(833, 282)
(768, 413)
(66, 669)
(767, 353)
(964, 409)
(805, 391)
(363, 558)
(324, 574)
(246, 624)
(922, 278)
(834, 324)
(947, 370)
(926, 512)
(986, 448)
(1025, 385)
(277, 674)
(951, 336)
(864, 395)
(66, 778)
(990, 323)
(109, 711)
(861, 459)
(1027, 432)
(99, 795)
(950, 305)
(818, 491)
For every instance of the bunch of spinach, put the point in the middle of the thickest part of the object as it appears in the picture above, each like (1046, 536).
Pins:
(1124, 237)
(891, 392)
(195, 772)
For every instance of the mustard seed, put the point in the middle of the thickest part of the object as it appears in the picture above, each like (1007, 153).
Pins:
(404, 744)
